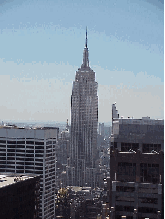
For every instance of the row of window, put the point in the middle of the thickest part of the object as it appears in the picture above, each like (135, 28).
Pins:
(140, 209)
(27, 170)
(125, 189)
(28, 150)
(20, 165)
(21, 146)
(26, 142)
(146, 148)
(38, 161)
(124, 198)
(147, 210)
(26, 154)
(149, 200)
(124, 208)
(127, 146)
(22, 142)
(140, 190)
(148, 172)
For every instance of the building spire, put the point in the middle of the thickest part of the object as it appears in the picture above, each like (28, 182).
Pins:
(85, 54)
(86, 38)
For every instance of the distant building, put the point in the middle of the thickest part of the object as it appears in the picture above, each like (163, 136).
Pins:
(107, 131)
(62, 153)
(32, 150)
(84, 122)
(19, 196)
(101, 129)
(85, 202)
(136, 167)
(63, 143)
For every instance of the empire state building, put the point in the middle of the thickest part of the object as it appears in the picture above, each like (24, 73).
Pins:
(84, 120)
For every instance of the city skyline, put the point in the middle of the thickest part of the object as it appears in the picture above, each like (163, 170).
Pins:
(42, 50)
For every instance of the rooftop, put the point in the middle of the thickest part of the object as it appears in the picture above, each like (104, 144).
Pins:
(32, 127)
(9, 179)
(142, 121)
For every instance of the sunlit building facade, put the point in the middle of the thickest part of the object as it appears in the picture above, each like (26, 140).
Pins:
(84, 120)
(32, 150)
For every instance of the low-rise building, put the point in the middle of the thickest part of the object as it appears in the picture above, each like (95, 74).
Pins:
(19, 196)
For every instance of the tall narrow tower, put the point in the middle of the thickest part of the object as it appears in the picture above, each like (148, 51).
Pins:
(84, 120)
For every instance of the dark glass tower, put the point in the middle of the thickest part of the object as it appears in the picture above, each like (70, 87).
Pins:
(84, 120)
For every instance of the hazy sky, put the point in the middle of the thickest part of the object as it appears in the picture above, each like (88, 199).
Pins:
(42, 46)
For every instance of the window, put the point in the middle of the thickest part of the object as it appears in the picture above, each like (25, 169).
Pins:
(10, 150)
(48, 142)
(29, 146)
(124, 208)
(39, 143)
(29, 151)
(3, 141)
(39, 160)
(11, 142)
(20, 146)
(10, 154)
(20, 142)
(40, 151)
(126, 171)
(149, 173)
(115, 144)
(147, 210)
(147, 148)
(29, 159)
(149, 200)
(125, 189)
(124, 198)
(30, 142)
(125, 147)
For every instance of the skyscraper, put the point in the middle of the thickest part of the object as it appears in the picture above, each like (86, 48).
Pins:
(136, 167)
(84, 120)
(32, 150)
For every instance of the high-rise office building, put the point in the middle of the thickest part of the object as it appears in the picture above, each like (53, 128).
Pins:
(136, 167)
(32, 150)
(84, 121)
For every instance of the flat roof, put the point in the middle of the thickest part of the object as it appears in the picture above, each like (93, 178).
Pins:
(142, 121)
(16, 127)
(7, 179)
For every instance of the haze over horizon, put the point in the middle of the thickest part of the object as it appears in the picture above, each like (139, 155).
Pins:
(43, 45)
